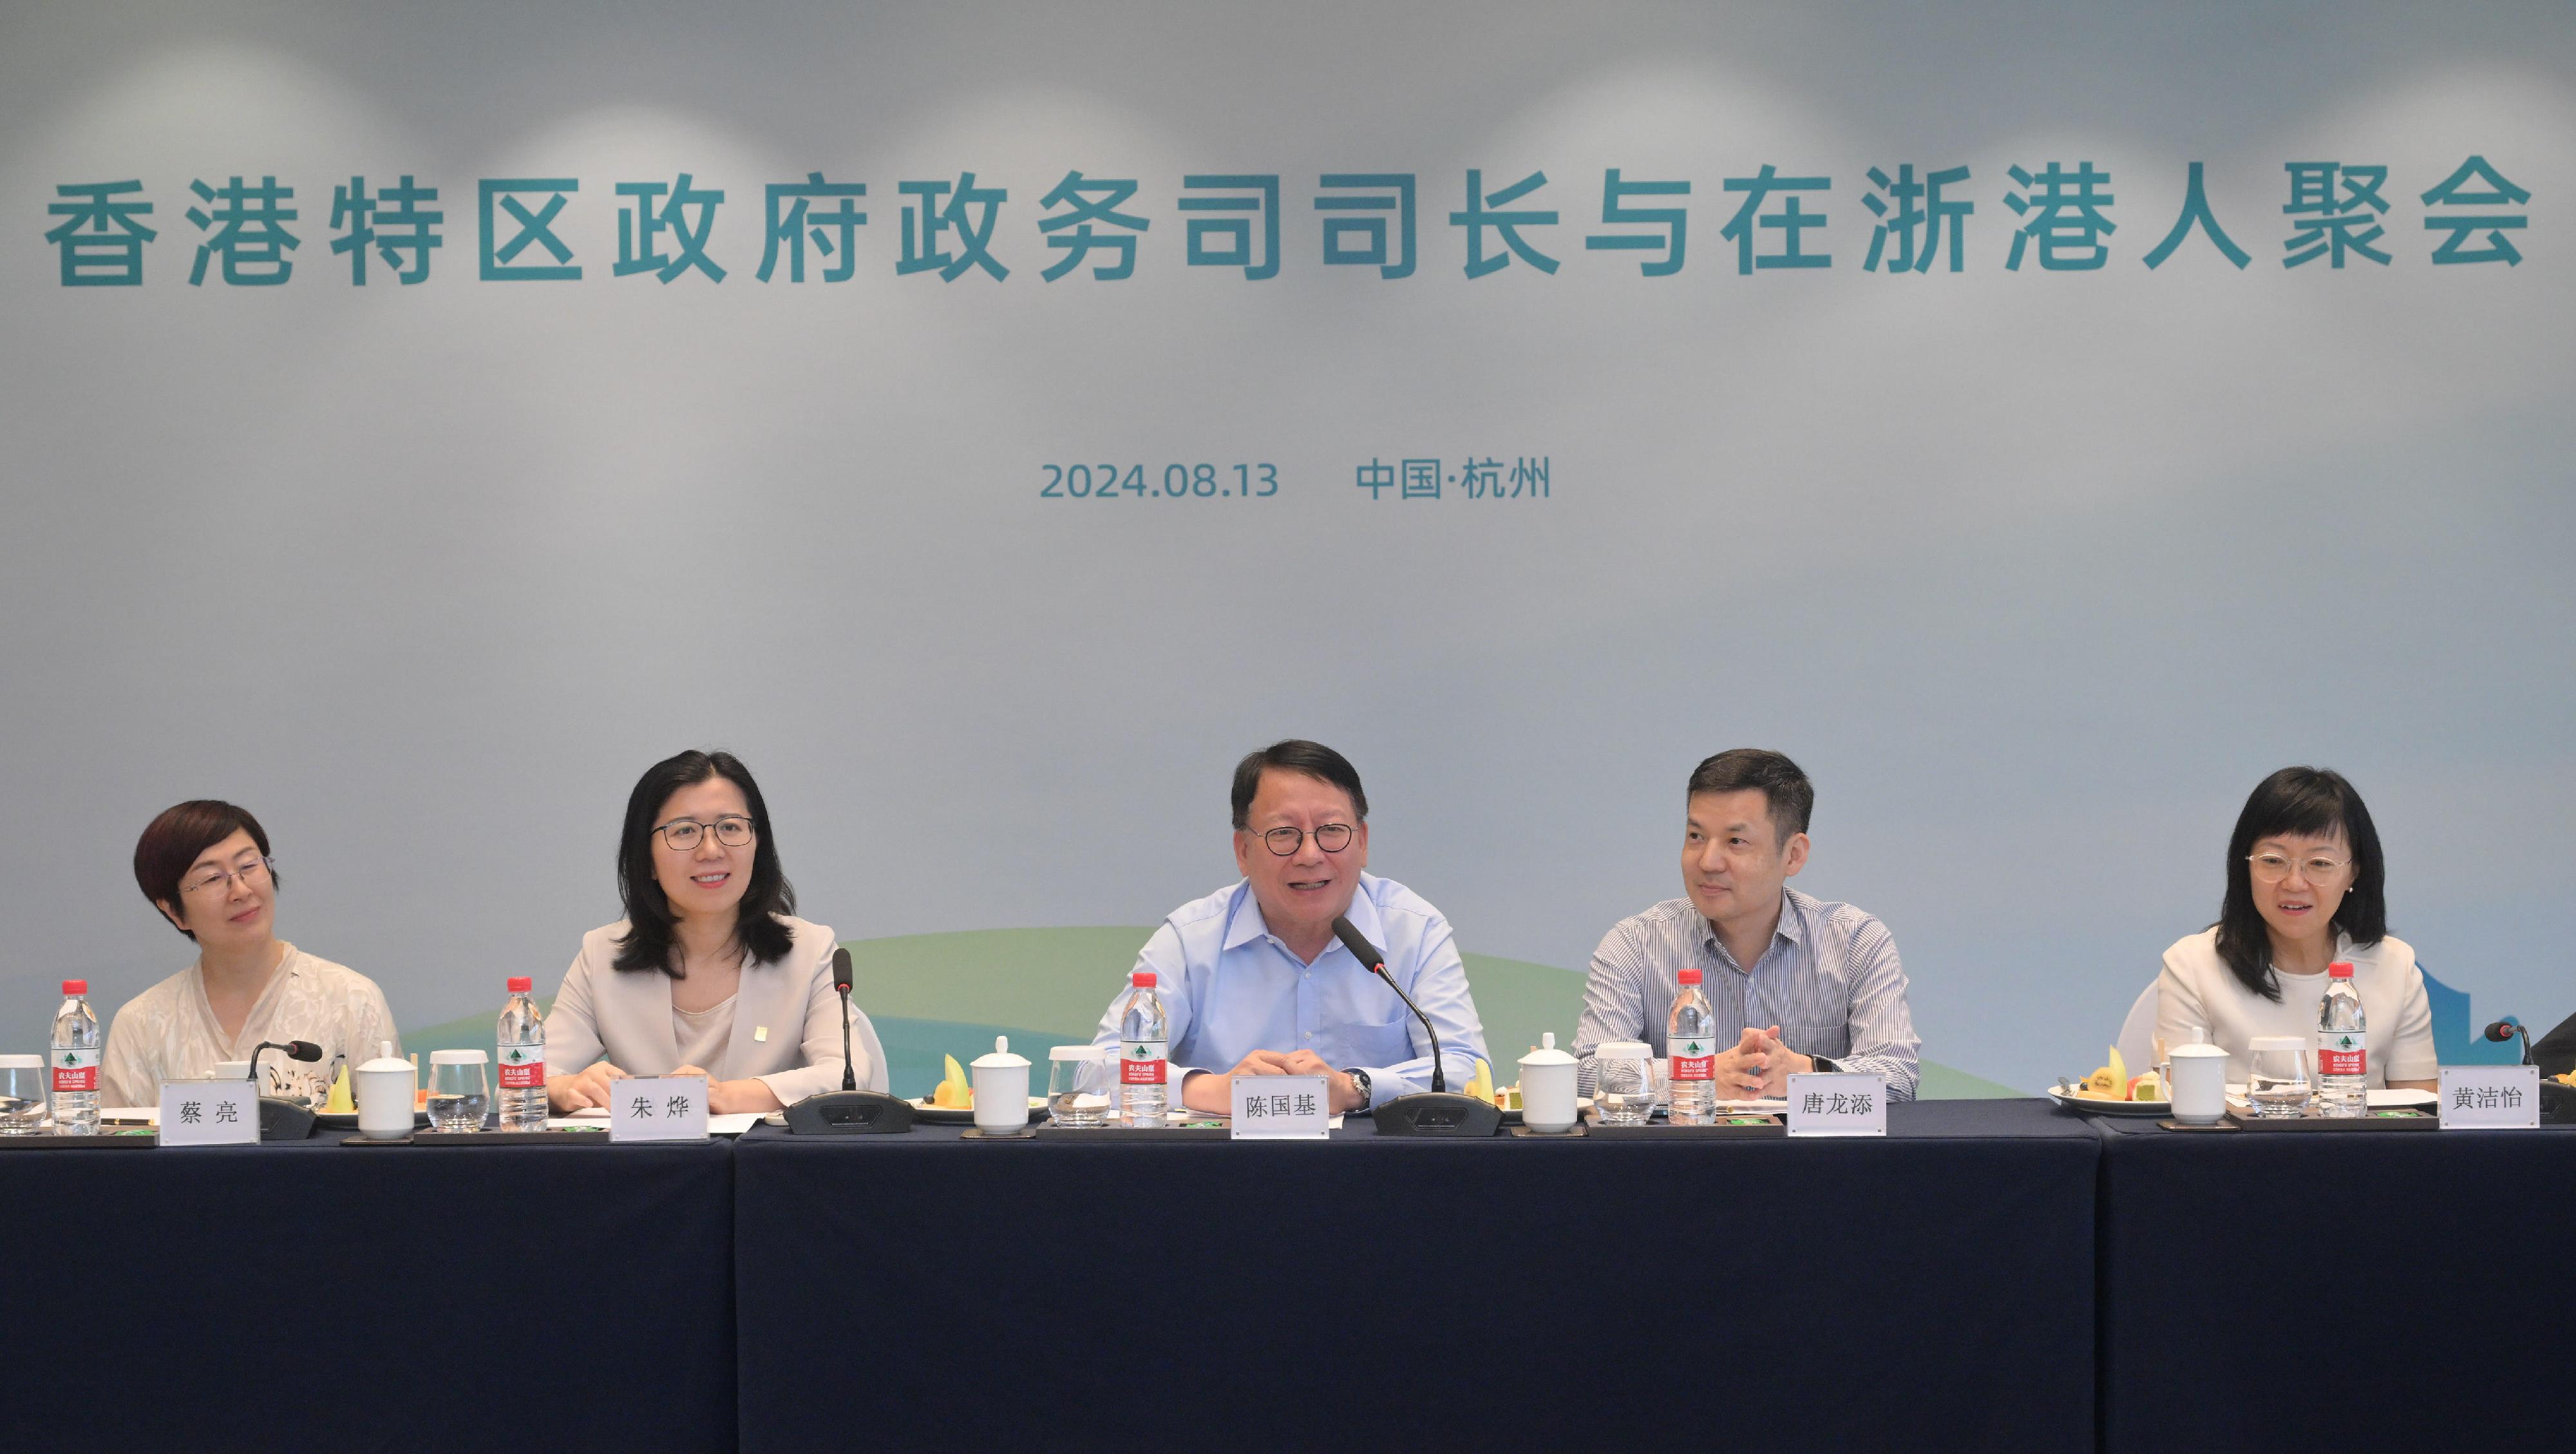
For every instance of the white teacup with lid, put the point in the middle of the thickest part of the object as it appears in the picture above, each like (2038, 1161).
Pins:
(2199, 1089)
(385, 1089)
(1001, 1088)
(1547, 1088)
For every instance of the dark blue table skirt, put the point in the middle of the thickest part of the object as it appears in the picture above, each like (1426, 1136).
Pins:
(222, 1298)
(2271, 1291)
(1932, 1290)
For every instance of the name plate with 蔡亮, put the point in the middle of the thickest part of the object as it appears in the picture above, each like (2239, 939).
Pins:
(664, 1108)
(1837, 1103)
(2490, 1097)
(1282, 1108)
(209, 1112)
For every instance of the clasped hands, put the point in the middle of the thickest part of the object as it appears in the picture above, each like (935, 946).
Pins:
(570, 1093)
(1208, 1091)
(1757, 1066)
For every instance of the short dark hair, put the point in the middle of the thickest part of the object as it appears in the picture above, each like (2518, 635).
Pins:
(1295, 754)
(2299, 800)
(1791, 798)
(171, 842)
(652, 929)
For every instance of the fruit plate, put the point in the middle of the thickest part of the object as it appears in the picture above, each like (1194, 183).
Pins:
(924, 1111)
(2065, 1096)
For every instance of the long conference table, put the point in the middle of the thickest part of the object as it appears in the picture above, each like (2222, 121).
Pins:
(1992, 1275)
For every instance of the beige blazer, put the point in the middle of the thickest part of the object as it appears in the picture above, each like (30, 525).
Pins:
(786, 1019)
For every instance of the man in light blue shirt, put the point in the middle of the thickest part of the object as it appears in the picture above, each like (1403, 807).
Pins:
(1252, 979)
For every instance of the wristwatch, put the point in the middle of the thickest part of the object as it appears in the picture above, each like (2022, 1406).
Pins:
(1823, 1064)
(1360, 1083)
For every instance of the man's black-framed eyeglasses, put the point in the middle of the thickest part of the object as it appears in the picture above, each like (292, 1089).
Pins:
(1330, 837)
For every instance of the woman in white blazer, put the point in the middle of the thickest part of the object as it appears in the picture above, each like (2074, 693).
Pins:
(710, 973)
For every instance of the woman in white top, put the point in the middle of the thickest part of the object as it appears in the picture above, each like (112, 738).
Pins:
(205, 865)
(710, 973)
(2306, 888)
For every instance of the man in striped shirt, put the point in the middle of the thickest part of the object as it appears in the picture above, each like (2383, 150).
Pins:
(1802, 984)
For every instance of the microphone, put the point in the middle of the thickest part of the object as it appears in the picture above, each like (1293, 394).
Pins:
(279, 1118)
(848, 1111)
(1367, 954)
(841, 984)
(2506, 1029)
(1435, 1112)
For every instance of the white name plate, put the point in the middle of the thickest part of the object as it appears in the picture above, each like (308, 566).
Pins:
(209, 1113)
(1839, 1103)
(2490, 1097)
(663, 1108)
(1281, 1107)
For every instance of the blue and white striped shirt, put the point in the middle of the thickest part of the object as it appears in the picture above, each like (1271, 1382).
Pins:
(1830, 980)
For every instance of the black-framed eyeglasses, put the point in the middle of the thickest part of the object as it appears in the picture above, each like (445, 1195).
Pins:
(682, 834)
(1330, 837)
(252, 874)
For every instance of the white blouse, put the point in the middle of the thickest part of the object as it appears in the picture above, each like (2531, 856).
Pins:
(168, 1032)
(2198, 991)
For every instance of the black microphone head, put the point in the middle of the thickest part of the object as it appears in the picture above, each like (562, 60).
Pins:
(1357, 943)
(841, 968)
(303, 1050)
(2501, 1030)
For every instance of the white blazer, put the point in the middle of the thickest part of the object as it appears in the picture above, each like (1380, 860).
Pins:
(786, 1019)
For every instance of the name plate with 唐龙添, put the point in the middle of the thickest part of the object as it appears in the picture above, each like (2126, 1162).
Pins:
(1837, 1103)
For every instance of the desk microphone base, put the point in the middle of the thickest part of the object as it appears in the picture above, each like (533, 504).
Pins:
(1437, 1113)
(849, 1113)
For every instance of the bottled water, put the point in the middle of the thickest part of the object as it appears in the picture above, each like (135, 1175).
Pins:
(1143, 1052)
(1690, 1038)
(2343, 1047)
(77, 1045)
(522, 1060)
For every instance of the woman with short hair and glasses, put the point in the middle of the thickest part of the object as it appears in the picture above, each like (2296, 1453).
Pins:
(205, 866)
(2306, 888)
(710, 973)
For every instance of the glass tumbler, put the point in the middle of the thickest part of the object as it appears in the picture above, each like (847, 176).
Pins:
(2276, 1077)
(460, 1089)
(1078, 1085)
(22, 1095)
(1623, 1087)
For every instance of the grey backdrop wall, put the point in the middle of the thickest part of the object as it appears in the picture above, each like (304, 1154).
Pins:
(2036, 571)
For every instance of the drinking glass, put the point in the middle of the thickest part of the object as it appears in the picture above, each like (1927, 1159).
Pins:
(1077, 1085)
(1623, 1086)
(2276, 1077)
(460, 1088)
(22, 1095)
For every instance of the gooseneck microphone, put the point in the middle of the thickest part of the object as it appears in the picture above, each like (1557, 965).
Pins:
(2503, 1030)
(295, 1050)
(848, 1111)
(1368, 955)
(841, 984)
(1435, 1112)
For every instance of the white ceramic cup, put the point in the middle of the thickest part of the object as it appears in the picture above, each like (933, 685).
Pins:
(1001, 1088)
(1547, 1088)
(384, 1088)
(232, 1070)
(2199, 1084)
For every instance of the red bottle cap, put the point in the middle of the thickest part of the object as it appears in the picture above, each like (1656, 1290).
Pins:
(1143, 978)
(520, 984)
(75, 986)
(1690, 976)
(2339, 970)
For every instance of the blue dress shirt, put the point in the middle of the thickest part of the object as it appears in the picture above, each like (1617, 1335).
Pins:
(1230, 987)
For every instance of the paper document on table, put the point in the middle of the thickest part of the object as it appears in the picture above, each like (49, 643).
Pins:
(1760, 1106)
(732, 1123)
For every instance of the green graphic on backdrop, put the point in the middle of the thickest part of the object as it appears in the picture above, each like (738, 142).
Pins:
(931, 995)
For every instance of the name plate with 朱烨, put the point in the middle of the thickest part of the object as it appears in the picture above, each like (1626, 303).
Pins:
(1837, 1103)
(209, 1112)
(2490, 1097)
(664, 1108)
(1281, 1108)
